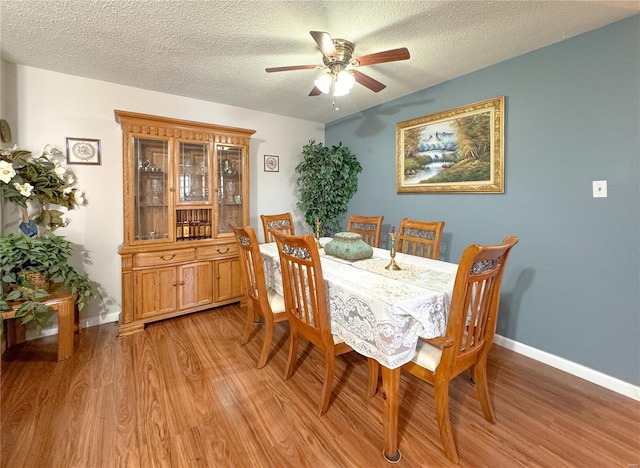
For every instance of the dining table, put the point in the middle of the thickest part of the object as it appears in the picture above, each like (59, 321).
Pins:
(381, 313)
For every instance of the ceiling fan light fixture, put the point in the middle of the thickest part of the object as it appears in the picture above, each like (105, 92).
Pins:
(343, 84)
(337, 57)
(323, 83)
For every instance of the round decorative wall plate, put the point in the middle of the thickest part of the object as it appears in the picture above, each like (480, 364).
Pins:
(5, 131)
(271, 163)
(83, 151)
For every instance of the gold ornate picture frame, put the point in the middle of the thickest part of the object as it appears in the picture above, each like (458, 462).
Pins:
(456, 151)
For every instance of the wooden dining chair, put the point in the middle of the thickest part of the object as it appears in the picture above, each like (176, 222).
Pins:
(471, 326)
(420, 238)
(261, 301)
(282, 222)
(306, 305)
(367, 226)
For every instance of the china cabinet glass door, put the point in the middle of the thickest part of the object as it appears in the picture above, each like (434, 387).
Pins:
(230, 183)
(151, 210)
(194, 210)
(194, 172)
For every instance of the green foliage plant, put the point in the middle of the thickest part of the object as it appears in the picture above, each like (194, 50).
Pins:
(327, 180)
(48, 255)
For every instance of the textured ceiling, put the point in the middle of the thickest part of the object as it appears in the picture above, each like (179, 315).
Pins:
(218, 50)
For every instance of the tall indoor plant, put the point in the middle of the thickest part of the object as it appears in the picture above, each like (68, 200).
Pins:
(327, 180)
(41, 187)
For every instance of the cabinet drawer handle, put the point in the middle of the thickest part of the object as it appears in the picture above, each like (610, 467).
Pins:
(170, 257)
(225, 251)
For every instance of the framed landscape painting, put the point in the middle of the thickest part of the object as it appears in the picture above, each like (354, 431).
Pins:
(456, 151)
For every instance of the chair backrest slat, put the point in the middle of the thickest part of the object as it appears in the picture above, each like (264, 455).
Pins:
(281, 222)
(369, 227)
(303, 284)
(475, 300)
(420, 238)
(251, 266)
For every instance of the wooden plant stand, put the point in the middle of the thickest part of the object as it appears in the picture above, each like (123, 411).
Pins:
(63, 303)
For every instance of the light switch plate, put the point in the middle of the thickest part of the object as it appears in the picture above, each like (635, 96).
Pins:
(599, 189)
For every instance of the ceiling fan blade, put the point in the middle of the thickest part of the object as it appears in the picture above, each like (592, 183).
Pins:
(294, 67)
(392, 55)
(324, 41)
(367, 81)
(315, 92)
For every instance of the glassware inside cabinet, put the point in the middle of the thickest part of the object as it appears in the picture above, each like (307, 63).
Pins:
(151, 211)
(230, 167)
(194, 172)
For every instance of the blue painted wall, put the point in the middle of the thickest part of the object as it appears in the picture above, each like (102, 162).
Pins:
(572, 116)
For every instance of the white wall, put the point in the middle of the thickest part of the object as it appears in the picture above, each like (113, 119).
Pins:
(52, 106)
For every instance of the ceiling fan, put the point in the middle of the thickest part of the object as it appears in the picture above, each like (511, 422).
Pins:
(340, 68)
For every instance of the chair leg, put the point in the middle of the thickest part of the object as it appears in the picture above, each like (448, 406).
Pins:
(268, 336)
(327, 386)
(374, 368)
(441, 391)
(482, 385)
(248, 327)
(293, 351)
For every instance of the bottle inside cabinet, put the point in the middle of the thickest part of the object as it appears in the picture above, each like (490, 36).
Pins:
(193, 224)
(151, 204)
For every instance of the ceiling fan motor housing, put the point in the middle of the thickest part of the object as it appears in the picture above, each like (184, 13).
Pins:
(344, 51)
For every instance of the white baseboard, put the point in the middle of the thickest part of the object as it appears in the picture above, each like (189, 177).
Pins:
(598, 378)
(31, 333)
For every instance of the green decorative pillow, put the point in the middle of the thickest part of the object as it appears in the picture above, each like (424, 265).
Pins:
(348, 246)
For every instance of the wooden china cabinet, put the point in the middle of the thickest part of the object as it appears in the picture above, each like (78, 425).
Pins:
(184, 182)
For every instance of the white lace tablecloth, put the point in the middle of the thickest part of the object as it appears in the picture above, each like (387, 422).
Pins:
(380, 313)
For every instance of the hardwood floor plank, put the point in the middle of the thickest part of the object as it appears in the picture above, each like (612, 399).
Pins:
(186, 393)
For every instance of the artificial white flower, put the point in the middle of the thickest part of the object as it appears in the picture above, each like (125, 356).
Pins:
(67, 190)
(78, 197)
(69, 179)
(7, 151)
(7, 172)
(24, 189)
(60, 170)
(50, 152)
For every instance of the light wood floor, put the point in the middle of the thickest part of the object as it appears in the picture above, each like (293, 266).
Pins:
(184, 393)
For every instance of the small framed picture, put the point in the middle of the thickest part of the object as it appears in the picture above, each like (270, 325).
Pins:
(83, 151)
(271, 163)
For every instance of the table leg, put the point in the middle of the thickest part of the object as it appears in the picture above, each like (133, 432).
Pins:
(391, 390)
(66, 315)
(14, 331)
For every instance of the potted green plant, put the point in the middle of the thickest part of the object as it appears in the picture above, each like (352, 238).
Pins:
(23, 259)
(327, 180)
(39, 187)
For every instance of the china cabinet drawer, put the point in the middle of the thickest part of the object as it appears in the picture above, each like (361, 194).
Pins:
(212, 251)
(164, 257)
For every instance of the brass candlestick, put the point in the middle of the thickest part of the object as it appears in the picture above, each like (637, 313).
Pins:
(318, 233)
(392, 264)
